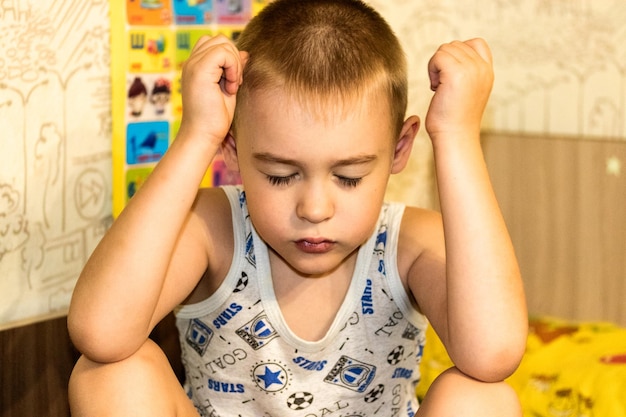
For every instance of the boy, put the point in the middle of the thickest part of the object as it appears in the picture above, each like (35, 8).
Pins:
(306, 295)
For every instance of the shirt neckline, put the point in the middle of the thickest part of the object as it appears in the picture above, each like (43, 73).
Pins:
(347, 308)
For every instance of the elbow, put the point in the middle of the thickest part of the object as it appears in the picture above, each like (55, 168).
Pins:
(493, 363)
(85, 338)
(496, 369)
(95, 339)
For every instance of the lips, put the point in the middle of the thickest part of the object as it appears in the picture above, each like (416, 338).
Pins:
(314, 245)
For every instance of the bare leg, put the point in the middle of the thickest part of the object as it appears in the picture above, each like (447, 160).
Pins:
(454, 394)
(142, 385)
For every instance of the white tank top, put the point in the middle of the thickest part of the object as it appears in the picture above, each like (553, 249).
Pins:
(241, 358)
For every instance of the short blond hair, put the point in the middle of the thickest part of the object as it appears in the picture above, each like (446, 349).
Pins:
(324, 53)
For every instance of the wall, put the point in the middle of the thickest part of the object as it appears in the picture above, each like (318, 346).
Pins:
(560, 68)
(564, 203)
(55, 150)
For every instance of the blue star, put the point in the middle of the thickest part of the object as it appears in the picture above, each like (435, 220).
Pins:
(270, 377)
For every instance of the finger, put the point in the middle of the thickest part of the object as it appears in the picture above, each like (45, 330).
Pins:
(433, 74)
(482, 49)
(206, 41)
(243, 56)
(201, 41)
(232, 71)
(446, 55)
(220, 59)
(231, 77)
(456, 52)
(206, 45)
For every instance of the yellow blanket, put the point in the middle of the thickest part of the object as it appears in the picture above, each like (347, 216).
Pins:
(569, 369)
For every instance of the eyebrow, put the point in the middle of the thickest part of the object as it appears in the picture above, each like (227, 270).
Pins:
(272, 158)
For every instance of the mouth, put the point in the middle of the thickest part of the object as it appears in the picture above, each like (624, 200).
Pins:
(314, 245)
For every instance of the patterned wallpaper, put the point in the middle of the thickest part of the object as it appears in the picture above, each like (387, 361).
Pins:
(560, 68)
(55, 158)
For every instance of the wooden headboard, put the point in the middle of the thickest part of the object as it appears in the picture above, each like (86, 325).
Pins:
(564, 201)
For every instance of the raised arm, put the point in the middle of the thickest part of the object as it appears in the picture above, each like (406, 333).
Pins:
(127, 284)
(476, 303)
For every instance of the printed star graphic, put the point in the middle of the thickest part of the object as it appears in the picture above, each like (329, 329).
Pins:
(270, 377)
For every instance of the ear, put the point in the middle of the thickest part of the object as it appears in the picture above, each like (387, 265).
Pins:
(229, 152)
(405, 144)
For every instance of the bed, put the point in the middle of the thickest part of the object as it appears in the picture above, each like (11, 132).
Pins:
(564, 200)
(570, 369)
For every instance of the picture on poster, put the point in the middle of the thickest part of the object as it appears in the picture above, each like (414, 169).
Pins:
(233, 11)
(135, 177)
(146, 142)
(150, 50)
(149, 97)
(193, 12)
(149, 12)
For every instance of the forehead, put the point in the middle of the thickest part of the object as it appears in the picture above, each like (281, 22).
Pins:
(277, 107)
(277, 124)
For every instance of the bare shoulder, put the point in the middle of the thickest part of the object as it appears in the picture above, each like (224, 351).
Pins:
(421, 231)
(213, 208)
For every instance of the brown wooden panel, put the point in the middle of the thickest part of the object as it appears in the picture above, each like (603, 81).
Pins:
(565, 204)
(36, 364)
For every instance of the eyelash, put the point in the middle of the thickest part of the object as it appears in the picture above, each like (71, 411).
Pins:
(282, 181)
(278, 181)
(349, 182)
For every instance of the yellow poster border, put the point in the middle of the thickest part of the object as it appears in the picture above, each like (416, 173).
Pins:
(118, 102)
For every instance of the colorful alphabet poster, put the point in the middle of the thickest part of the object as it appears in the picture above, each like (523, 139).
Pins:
(151, 39)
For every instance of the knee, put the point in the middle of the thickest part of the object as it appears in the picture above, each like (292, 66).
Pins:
(119, 388)
(87, 391)
(94, 385)
(454, 393)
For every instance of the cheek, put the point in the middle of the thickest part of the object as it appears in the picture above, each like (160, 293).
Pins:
(363, 207)
(266, 211)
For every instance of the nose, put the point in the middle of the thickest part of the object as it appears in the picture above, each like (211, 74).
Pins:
(315, 203)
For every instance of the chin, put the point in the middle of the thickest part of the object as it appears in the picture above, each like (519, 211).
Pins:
(319, 266)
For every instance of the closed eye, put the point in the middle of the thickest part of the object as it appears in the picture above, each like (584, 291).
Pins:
(349, 182)
(280, 181)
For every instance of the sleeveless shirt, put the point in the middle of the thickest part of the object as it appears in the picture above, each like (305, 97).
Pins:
(241, 358)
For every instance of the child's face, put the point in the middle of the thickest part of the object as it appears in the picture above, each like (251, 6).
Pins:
(314, 188)
(137, 103)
